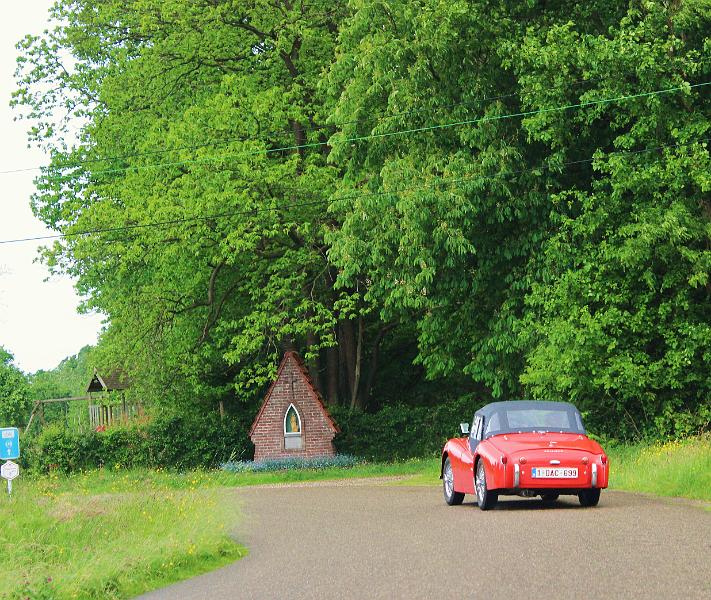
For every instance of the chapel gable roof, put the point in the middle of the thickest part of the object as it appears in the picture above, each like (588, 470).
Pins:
(303, 371)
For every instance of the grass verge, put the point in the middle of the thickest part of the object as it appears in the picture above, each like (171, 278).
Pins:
(115, 534)
(83, 537)
(678, 468)
(113, 481)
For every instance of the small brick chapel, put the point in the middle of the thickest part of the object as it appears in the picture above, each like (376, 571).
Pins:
(292, 421)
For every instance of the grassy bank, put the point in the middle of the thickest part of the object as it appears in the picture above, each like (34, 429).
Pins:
(680, 468)
(115, 533)
(112, 481)
(109, 536)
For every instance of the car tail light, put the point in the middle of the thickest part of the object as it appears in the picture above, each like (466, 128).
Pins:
(585, 460)
(504, 459)
(522, 460)
(603, 459)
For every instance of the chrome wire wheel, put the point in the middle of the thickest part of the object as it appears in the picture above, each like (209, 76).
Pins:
(451, 497)
(485, 498)
(480, 481)
(448, 479)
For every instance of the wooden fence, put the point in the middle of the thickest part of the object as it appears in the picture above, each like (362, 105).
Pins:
(99, 414)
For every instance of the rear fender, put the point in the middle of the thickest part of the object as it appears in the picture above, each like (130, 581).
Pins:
(494, 468)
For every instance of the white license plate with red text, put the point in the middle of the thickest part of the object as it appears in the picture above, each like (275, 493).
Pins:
(554, 473)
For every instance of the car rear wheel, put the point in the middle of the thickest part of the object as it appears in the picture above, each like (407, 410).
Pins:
(450, 496)
(589, 497)
(485, 498)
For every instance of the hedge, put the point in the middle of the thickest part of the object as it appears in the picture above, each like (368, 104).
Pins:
(181, 442)
(168, 441)
(399, 432)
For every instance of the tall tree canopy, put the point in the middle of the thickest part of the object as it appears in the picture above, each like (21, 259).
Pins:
(546, 218)
(14, 393)
(522, 188)
(204, 133)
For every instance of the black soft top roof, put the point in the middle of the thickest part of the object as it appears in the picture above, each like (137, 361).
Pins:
(492, 407)
(496, 420)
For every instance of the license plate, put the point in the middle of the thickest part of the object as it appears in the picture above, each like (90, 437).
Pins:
(554, 473)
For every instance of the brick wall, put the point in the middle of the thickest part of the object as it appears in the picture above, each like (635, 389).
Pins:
(292, 386)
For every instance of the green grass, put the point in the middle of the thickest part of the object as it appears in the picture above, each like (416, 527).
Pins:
(111, 481)
(114, 534)
(110, 536)
(680, 468)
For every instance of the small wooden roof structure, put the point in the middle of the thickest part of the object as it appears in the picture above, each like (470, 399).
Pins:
(303, 371)
(115, 380)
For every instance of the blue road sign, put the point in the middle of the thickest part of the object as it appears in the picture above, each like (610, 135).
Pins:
(9, 443)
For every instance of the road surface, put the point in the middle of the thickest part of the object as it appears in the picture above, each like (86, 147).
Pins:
(376, 540)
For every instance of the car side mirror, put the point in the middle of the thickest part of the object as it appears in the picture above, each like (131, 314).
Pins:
(465, 428)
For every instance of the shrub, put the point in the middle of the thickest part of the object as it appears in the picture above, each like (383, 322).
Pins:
(399, 432)
(169, 441)
(291, 463)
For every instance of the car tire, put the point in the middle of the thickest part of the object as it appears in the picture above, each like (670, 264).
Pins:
(589, 497)
(485, 498)
(549, 498)
(450, 496)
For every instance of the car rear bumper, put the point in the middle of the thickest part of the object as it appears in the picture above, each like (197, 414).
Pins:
(519, 478)
(531, 492)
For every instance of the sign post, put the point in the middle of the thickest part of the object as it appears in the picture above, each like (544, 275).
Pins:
(9, 450)
(9, 471)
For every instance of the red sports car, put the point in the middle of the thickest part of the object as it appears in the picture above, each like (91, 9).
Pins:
(524, 448)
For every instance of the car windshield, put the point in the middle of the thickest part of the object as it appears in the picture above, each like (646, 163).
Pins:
(511, 419)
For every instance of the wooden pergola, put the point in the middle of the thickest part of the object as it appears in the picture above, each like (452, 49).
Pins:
(102, 412)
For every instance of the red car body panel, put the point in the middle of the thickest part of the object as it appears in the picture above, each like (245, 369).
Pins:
(501, 453)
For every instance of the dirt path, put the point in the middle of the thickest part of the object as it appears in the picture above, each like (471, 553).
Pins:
(383, 541)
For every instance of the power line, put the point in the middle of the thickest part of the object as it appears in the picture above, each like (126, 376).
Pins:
(387, 134)
(357, 195)
(307, 127)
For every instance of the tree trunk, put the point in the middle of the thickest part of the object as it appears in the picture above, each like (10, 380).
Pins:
(347, 357)
(314, 364)
(355, 397)
(332, 374)
(373, 366)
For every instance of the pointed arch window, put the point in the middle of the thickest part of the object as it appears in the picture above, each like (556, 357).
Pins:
(292, 429)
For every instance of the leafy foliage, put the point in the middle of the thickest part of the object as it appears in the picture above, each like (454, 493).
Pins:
(515, 193)
(69, 378)
(399, 431)
(168, 441)
(14, 393)
(562, 253)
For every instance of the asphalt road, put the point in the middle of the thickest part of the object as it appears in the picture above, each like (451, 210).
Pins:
(367, 540)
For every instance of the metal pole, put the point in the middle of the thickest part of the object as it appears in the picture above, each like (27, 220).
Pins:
(9, 487)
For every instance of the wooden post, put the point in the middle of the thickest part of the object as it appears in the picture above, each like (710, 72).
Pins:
(222, 409)
(32, 415)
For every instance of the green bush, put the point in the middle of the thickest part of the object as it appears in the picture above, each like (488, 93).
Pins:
(169, 441)
(399, 432)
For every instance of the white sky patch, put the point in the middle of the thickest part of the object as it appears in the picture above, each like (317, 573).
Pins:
(39, 323)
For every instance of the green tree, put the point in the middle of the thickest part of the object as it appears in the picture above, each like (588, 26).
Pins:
(69, 378)
(205, 116)
(15, 400)
(526, 264)
(619, 314)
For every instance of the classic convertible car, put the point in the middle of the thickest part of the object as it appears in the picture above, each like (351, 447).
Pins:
(524, 448)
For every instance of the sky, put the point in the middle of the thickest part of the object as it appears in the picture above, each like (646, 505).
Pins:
(39, 323)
